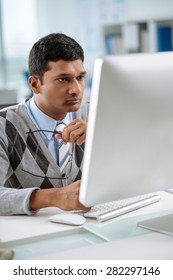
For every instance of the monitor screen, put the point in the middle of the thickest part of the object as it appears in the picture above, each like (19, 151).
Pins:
(129, 143)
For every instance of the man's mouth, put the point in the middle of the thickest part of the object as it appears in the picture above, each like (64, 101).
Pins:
(73, 101)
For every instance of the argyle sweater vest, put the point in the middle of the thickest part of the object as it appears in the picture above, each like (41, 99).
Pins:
(21, 152)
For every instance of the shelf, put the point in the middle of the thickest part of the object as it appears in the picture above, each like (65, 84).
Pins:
(138, 36)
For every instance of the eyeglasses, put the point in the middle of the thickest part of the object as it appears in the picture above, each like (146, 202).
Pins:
(68, 166)
(65, 175)
(44, 130)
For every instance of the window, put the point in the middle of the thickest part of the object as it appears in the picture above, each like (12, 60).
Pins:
(18, 32)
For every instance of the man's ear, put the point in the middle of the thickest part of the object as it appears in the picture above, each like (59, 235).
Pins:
(35, 84)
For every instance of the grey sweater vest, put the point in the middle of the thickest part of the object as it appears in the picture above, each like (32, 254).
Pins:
(20, 151)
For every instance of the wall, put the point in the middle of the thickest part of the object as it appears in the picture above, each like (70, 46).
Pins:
(82, 19)
(149, 9)
(55, 16)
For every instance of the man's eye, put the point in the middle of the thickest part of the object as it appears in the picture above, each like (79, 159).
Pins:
(63, 79)
(81, 78)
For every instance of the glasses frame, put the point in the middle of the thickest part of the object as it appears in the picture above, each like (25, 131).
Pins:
(44, 130)
(65, 175)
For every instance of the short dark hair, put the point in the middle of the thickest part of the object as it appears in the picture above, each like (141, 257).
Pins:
(53, 47)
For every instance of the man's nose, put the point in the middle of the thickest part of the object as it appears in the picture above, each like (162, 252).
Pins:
(75, 87)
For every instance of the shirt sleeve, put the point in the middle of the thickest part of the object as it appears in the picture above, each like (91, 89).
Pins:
(16, 201)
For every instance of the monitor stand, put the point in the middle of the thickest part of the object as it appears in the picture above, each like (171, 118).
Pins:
(162, 224)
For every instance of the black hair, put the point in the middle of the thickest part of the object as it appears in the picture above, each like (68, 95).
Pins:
(53, 47)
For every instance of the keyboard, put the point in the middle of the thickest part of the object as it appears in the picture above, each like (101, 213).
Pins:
(109, 210)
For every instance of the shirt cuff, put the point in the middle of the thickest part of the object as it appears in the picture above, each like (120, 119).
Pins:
(26, 205)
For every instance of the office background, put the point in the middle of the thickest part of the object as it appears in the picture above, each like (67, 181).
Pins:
(100, 26)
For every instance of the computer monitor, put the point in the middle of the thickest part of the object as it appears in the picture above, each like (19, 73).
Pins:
(129, 143)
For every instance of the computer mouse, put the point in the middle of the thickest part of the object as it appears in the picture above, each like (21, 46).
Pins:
(68, 219)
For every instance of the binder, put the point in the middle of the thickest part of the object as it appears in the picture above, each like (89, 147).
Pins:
(164, 38)
(114, 44)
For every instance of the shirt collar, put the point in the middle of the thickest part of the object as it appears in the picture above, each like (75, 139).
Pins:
(41, 120)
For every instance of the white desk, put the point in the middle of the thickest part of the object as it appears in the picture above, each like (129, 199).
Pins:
(34, 237)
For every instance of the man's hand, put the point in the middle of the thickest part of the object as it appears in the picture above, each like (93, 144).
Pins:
(74, 132)
(66, 198)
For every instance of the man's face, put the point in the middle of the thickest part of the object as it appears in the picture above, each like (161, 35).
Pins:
(62, 88)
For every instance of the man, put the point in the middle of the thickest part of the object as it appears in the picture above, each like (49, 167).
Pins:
(33, 175)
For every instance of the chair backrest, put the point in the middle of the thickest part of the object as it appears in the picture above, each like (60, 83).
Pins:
(6, 105)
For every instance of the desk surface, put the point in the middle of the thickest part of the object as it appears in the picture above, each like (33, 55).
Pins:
(34, 237)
